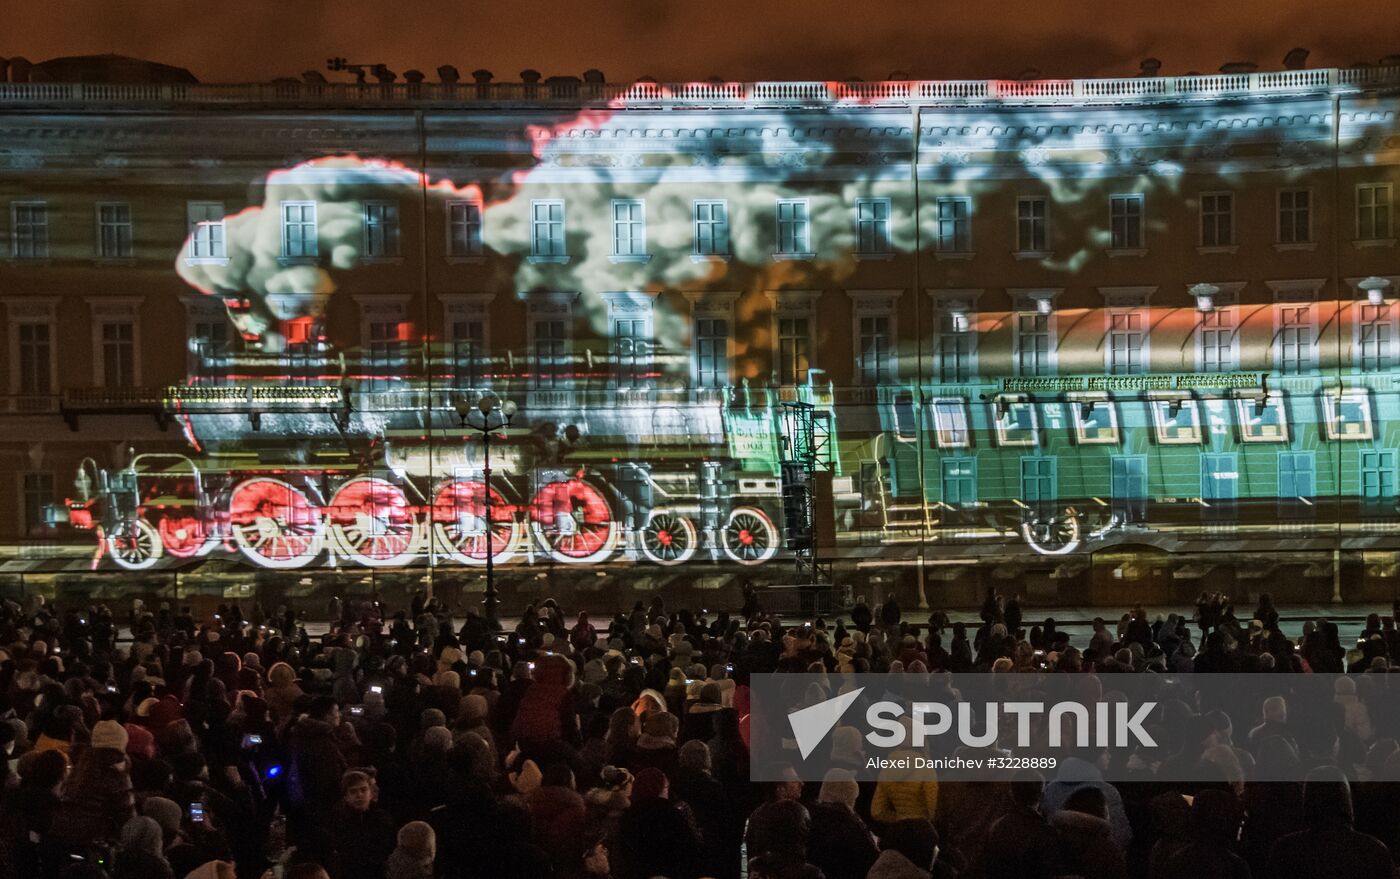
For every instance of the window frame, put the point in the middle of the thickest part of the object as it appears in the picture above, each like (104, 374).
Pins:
(1140, 244)
(193, 227)
(122, 254)
(391, 230)
(472, 246)
(40, 243)
(1044, 221)
(1376, 188)
(636, 231)
(801, 228)
(1218, 246)
(561, 257)
(1293, 209)
(301, 223)
(44, 500)
(699, 253)
(882, 232)
(940, 241)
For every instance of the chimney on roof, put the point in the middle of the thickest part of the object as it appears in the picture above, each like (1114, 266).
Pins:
(529, 76)
(313, 77)
(594, 76)
(448, 75)
(482, 77)
(413, 76)
(383, 73)
(1150, 67)
(1296, 59)
(19, 69)
(1238, 67)
(898, 76)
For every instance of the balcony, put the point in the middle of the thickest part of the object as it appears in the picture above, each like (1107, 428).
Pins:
(29, 404)
(77, 402)
(642, 95)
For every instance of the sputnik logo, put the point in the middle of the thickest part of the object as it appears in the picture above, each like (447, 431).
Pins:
(811, 724)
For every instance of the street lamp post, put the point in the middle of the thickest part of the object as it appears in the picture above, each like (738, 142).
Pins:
(495, 416)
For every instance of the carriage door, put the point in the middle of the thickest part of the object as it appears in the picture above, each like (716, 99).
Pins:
(1130, 488)
(1378, 481)
(1220, 485)
(1038, 485)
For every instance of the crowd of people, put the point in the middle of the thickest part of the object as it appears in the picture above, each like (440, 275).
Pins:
(404, 744)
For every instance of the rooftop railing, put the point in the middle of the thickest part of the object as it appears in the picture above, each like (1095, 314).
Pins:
(642, 95)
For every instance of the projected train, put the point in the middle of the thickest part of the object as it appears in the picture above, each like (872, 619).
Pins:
(295, 474)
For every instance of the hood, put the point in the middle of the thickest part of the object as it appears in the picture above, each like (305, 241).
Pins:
(893, 865)
(554, 670)
(281, 675)
(1080, 826)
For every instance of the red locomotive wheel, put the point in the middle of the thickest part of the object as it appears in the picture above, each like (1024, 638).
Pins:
(373, 523)
(274, 524)
(459, 523)
(182, 535)
(573, 522)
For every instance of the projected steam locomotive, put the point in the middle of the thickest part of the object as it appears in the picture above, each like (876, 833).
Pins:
(332, 474)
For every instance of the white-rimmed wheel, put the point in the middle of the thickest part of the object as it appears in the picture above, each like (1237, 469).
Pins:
(134, 544)
(371, 521)
(1058, 533)
(274, 524)
(573, 522)
(459, 524)
(749, 536)
(669, 538)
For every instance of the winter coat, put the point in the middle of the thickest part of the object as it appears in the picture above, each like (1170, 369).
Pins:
(363, 841)
(838, 842)
(281, 691)
(899, 800)
(97, 799)
(1021, 845)
(656, 838)
(315, 766)
(556, 820)
(546, 713)
(893, 865)
(1331, 850)
(1086, 846)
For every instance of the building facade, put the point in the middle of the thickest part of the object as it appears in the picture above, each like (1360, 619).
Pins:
(1113, 340)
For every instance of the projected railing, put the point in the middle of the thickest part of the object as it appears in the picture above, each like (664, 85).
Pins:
(728, 94)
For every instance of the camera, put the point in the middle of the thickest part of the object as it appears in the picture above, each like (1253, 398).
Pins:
(357, 710)
(376, 688)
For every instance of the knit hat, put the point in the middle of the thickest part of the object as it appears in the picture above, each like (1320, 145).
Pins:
(845, 745)
(417, 838)
(432, 717)
(140, 741)
(449, 679)
(437, 738)
(144, 709)
(839, 786)
(651, 783)
(527, 779)
(661, 725)
(109, 734)
(167, 814)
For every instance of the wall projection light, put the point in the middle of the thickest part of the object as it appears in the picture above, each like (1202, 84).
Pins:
(1205, 297)
(1375, 289)
(957, 313)
(1044, 302)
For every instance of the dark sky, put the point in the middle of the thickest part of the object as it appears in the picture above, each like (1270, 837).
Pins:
(251, 40)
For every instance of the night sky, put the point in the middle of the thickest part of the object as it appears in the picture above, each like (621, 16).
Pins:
(257, 40)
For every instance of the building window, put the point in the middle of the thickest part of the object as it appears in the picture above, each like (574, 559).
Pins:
(299, 229)
(114, 231)
(794, 227)
(959, 482)
(118, 354)
(38, 496)
(1373, 211)
(954, 348)
(711, 352)
(1038, 484)
(794, 349)
(1294, 216)
(464, 229)
(631, 344)
(875, 350)
(1375, 337)
(35, 344)
(629, 229)
(1125, 221)
(1127, 342)
(210, 337)
(385, 344)
(1220, 486)
(381, 229)
(206, 229)
(950, 424)
(1129, 487)
(1030, 225)
(468, 346)
(873, 226)
(1217, 219)
(954, 224)
(29, 230)
(711, 228)
(1295, 339)
(551, 341)
(547, 243)
(1033, 344)
(1216, 335)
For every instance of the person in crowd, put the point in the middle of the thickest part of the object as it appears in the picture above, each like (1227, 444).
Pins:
(1328, 845)
(1021, 844)
(1086, 845)
(362, 831)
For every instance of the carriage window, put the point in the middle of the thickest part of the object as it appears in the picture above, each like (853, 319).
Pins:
(904, 424)
(1095, 420)
(1262, 418)
(1016, 422)
(1177, 421)
(950, 424)
(1347, 414)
